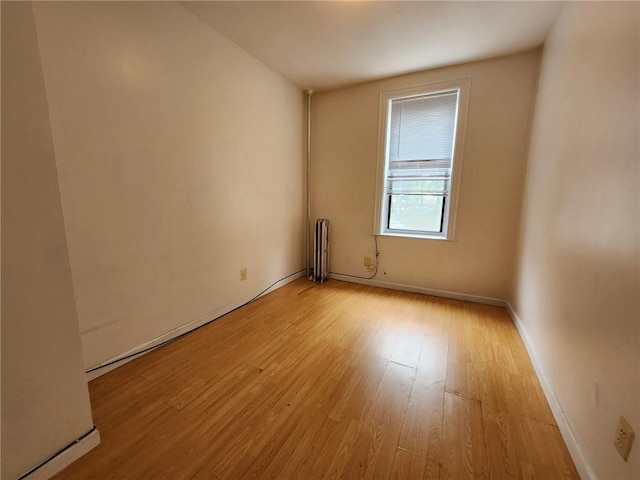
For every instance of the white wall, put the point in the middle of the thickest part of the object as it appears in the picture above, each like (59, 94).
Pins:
(180, 160)
(344, 156)
(577, 289)
(45, 401)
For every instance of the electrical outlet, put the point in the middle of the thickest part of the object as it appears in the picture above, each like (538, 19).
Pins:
(624, 438)
(367, 261)
(243, 274)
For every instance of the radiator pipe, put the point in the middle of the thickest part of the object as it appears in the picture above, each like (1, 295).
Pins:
(308, 184)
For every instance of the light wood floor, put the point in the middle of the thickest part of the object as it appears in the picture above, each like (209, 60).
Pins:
(331, 381)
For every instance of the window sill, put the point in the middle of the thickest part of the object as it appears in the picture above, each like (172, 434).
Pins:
(415, 235)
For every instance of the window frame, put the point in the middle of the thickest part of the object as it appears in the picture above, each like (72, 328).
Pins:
(381, 220)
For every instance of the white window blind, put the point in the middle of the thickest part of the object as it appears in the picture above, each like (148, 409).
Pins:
(421, 136)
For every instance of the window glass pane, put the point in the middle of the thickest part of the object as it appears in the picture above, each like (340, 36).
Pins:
(416, 212)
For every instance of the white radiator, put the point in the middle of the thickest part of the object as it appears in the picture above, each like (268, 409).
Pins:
(321, 251)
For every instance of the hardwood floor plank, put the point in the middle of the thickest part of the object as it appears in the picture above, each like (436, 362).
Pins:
(288, 448)
(463, 440)
(359, 385)
(408, 466)
(352, 456)
(500, 443)
(382, 422)
(540, 449)
(432, 366)
(316, 459)
(407, 350)
(203, 475)
(530, 400)
(421, 432)
(465, 353)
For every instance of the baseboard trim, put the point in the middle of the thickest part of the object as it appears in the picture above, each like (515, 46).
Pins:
(65, 458)
(584, 470)
(115, 362)
(426, 291)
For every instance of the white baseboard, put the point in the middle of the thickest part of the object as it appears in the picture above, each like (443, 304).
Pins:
(64, 458)
(111, 364)
(427, 291)
(584, 470)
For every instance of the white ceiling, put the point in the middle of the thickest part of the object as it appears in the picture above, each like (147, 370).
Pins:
(326, 45)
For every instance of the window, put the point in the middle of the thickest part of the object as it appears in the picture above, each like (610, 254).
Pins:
(421, 154)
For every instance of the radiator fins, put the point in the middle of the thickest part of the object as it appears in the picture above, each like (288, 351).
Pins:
(321, 251)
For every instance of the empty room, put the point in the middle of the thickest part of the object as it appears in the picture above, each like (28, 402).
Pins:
(320, 240)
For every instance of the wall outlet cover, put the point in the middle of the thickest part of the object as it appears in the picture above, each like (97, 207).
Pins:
(624, 438)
